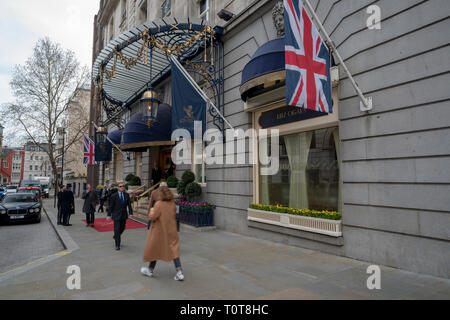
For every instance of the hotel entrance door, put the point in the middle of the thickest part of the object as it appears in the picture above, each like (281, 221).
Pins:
(165, 162)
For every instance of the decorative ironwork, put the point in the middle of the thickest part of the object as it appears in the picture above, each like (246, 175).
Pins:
(113, 109)
(195, 45)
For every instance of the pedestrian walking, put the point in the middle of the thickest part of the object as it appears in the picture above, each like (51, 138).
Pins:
(119, 202)
(103, 192)
(109, 194)
(58, 204)
(67, 205)
(162, 239)
(154, 197)
(90, 202)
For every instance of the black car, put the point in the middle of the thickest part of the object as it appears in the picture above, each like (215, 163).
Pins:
(24, 206)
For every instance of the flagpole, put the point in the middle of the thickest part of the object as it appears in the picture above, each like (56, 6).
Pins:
(198, 89)
(115, 146)
(366, 102)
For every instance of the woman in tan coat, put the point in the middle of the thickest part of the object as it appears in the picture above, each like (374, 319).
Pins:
(162, 238)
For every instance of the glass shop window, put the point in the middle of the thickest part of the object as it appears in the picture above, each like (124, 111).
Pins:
(308, 177)
(198, 161)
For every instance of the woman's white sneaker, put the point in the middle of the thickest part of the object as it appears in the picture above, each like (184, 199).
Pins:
(179, 276)
(146, 271)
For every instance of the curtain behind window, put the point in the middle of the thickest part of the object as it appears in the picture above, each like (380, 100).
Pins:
(297, 147)
(338, 155)
(264, 185)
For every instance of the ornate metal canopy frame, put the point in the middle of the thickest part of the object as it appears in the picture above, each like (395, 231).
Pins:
(122, 70)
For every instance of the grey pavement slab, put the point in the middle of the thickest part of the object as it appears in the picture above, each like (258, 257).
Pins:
(217, 265)
(22, 243)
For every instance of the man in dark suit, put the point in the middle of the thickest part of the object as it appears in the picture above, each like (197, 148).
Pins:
(119, 203)
(67, 205)
(156, 173)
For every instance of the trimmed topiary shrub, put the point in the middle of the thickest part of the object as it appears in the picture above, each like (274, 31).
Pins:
(129, 177)
(188, 177)
(172, 182)
(135, 181)
(193, 190)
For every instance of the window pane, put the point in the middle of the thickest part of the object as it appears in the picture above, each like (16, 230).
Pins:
(198, 160)
(322, 171)
(203, 6)
(308, 177)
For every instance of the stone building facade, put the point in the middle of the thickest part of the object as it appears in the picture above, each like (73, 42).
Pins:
(389, 166)
(17, 169)
(36, 162)
(75, 172)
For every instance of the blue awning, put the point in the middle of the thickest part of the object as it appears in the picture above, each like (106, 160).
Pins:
(115, 136)
(267, 65)
(137, 136)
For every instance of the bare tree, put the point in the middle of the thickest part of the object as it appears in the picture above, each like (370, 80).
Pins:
(44, 88)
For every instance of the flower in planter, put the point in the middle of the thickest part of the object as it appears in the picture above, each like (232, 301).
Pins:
(323, 214)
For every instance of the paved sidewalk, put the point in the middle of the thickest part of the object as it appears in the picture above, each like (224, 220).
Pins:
(217, 265)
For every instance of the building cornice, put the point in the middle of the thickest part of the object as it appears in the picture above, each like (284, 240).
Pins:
(247, 16)
(104, 14)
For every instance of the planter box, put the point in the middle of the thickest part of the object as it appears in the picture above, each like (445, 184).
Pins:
(195, 216)
(324, 226)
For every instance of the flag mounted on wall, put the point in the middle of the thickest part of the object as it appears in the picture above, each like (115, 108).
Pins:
(103, 147)
(89, 151)
(308, 81)
(187, 103)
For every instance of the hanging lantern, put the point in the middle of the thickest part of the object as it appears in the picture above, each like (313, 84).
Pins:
(102, 132)
(150, 105)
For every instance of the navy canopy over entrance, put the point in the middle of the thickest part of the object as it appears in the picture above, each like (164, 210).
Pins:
(266, 67)
(115, 136)
(137, 136)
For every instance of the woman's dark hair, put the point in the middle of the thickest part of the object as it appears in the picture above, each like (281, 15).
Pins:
(165, 194)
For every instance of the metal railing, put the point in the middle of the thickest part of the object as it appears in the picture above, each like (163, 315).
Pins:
(139, 197)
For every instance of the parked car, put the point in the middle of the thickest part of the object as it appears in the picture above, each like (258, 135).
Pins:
(23, 206)
(30, 183)
(2, 192)
(45, 190)
(11, 189)
(35, 190)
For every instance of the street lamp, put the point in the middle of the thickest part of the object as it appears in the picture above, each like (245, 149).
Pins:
(148, 101)
(151, 105)
(102, 133)
(60, 131)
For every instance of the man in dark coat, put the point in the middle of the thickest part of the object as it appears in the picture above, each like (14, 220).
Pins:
(67, 205)
(90, 202)
(58, 205)
(169, 172)
(119, 202)
(102, 199)
(110, 192)
(156, 173)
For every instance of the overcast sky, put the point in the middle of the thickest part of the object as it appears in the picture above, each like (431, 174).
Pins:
(23, 22)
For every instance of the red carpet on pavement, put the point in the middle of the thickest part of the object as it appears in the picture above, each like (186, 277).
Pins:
(101, 225)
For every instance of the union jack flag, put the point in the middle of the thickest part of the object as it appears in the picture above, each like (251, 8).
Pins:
(308, 83)
(89, 151)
